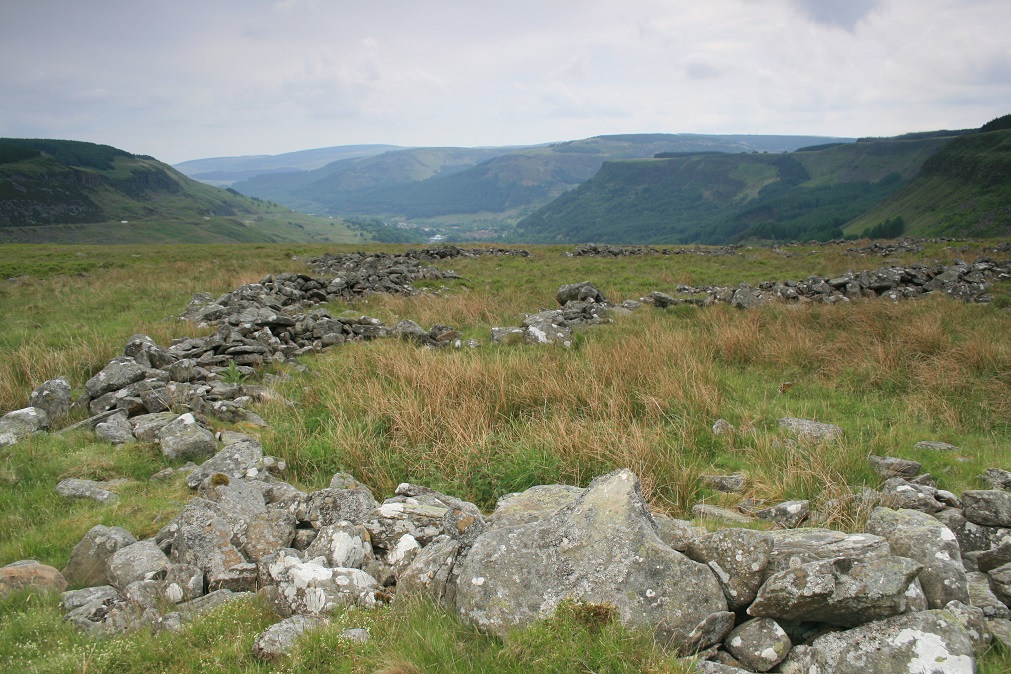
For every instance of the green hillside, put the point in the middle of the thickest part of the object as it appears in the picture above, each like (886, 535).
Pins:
(503, 186)
(76, 192)
(718, 198)
(964, 188)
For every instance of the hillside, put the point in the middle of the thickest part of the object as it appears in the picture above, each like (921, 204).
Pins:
(718, 198)
(501, 187)
(223, 171)
(964, 188)
(75, 192)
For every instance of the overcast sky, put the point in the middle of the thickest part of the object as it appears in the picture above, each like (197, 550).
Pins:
(183, 79)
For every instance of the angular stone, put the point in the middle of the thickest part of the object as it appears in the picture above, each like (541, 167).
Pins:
(900, 494)
(1000, 583)
(89, 560)
(277, 640)
(135, 562)
(507, 336)
(267, 532)
(19, 424)
(120, 372)
(760, 644)
(982, 597)
(329, 506)
(890, 466)
(787, 515)
(430, 572)
(928, 642)
(919, 536)
(184, 438)
(73, 599)
(341, 545)
(738, 557)
(838, 591)
(677, 533)
(75, 488)
(988, 560)
(997, 478)
(811, 431)
(973, 537)
(536, 503)
(714, 512)
(243, 459)
(202, 536)
(728, 484)
(116, 429)
(514, 575)
(974, 622)
(792, 547)
(936, 446)
(312, 589)
(987, 507)
(580, 292)
(54, 397)
(146, 426)
(29, 574)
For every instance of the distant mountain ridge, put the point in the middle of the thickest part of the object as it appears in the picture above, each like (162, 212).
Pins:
(497, 185)
(223, 171)
(76, 192)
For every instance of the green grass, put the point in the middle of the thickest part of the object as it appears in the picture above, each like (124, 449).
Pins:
(642, 392)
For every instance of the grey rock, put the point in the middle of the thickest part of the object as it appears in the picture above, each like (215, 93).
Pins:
(180, 583)
(738, 558)
(329, 506)
(408, 329)
(747, 297)
(897, 494)
(987, 507)
(792, 547)
(728, 484)
(508, 336)
(534, 504)
(184, 438)
(1000, 583)
(17, 425)
(677, 533)
(982, 597)
(810, 431)
(75, 488)
(120, 372)
(838, 591)
(579, 292)
(116, 429)
(201, 536)
(341, 545)
(891, 466)
(310, 588)
(242, 459)
(73, 599)
(54, 397)
(723, 427)
(988, 560)
(358, 635)
(972, 537)
(936, 446)
(1000, 631)
(89, 560)
(997, 478)
(974, 622)
(714, 512)
(430, 572)
(514, 575)
(760, 644)
(929, 642)
(919, 536)
(146, 426)
(268, 531)
(277, 640)
(135, 562)
(787, 515)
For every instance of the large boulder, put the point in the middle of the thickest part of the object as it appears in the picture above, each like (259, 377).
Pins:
(29, 574)
(76, 488)
(738, 557)
(987, 507)
(914, 534)
(120, 372)
(536, 503)
(601, 548)
(201, 535)
(838, 591)
(579, 292)
(17, 425)
(54, 396)
(928, 642)
(116, 429)
(89, 561)
(309, 588)
(793, 547)
(184, 438)
(135, 562)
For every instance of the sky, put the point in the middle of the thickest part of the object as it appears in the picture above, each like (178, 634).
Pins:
(192, 79)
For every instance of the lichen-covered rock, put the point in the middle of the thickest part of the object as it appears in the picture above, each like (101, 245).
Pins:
(728, 484)
(341, 545)
(602, 548)
(146, 426)
(997, 478)
(116, 429)
(54, 397)
(277, 640)
(811, 431)
(268, 531)
(715, 512)
(987, 507)
(900, 494)
(135, 562)
(891, 466)
(17, 425)
(792, 547)
(738, 557)
(329, 506)
(89, 560)
(76, 488)
(974, 622)
(536, 503)
(201, 535)
(972, 537)
(1000, 583)
(787, 515)
(120, 372)
(237, 460)
(298, 587)
(919, 536)
(579, 292)
(431, 570)
(29, 574)
(838, 591)
(184, 438)
(982, 597)
(928, 642)
(760, 644)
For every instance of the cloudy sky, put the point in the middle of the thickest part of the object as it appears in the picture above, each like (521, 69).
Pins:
(189, 79)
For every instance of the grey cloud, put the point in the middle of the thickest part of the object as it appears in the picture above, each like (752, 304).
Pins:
(845, 14)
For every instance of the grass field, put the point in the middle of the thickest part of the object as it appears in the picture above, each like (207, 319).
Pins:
(642, 392)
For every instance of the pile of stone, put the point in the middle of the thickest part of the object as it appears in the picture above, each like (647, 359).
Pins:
(960, 280)
(582, 305)
(888, 248)
(913, 588)
(598, 250)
